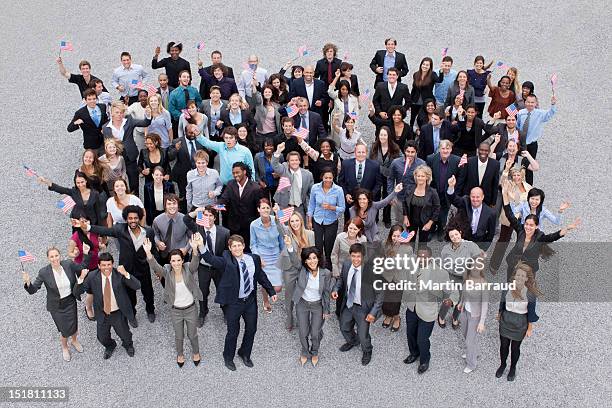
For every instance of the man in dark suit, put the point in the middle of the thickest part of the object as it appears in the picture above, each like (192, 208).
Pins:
(306, 118)
(216, 58)
(183, 150)
(482, 218)
(326, 67)
(390, 93)
(215, 238)
(111, 303)
(132, 256)
(507, 131)
(241, 197)
(164, 89)
(359, 172)
(237, 295)
(480, 172)
(433, 132)
(314, 90)
(386, 59)
(443, 166)
(361, 304)
(90, 119)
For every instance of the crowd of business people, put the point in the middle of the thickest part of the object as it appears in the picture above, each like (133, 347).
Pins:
(268, 178)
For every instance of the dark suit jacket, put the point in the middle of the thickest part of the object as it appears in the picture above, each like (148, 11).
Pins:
(379, 61)
(322, 67)
(485, 231)
(45, 277)
(425, 92)
(382, 99)
(372, 178)
(183, 160)
(130, 150)
(433, 161)
(92, 134)
(354, 84)
(247, 119)
(94, 207)
(431, 210)
(93, 284)
(316, 130)
(426, 144)
(149, 198)
(229, 283)
(205, 90)
(468, 179)
(503, 138)
(221, 236)
(128, 256)
(298, 88)
(241, 211)
(481, 132)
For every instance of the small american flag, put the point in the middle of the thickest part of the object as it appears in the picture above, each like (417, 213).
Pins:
(553, 80)
(200, 46)
(66, 46)
(292, 110)
(353, 115)
(463, 160)
(405, 237)
(202, 220)
(283, 183)
(306, 51)
(512, 111)
(365, 96)
(501, 66)
(220, 207)
(444, 52)
(136, 84)
(151, 89)
(302, 132)
(25, 256)
(66, 204)
(301, 50)
(284, 215)
(346, 56)
(29, 171)
(186, 113)
(461, 93)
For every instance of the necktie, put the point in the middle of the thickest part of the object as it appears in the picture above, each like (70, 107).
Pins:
(303, 124)
(330, 77)
(107, 297)
(209, 243)
(245, 278)
(526, 124)
(192, 154)
(165, 99)
(95, 117)
(475, 220)
(168, 238)
(350, 298)
(186, 92)
(360, 173)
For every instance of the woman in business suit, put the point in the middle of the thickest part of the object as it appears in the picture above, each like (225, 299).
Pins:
(422, 86)
(59, 278)
(311, 297)
(399, 131)
(367, 209)
(267, 118)
(460, 84)
(421, 204)
(181, 292)
(300, 238)
(471, 132)
(151, 156)
(384, 150)
(345, 103)
(154, 194)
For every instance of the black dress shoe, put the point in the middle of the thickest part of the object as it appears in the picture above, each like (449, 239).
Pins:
(500, 371)
(196, 362)
(442, 325)
(134, 322)
(108, 352)
(422, 368)
(246, 360)
(180, 364)
(130, 351)
(230, 365)
(347, 346)
(366, 358)
(151, 317)
(410, 359)
(511, 374)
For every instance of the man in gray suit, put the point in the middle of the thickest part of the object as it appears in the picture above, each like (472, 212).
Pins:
(361, 304)
(298, 194)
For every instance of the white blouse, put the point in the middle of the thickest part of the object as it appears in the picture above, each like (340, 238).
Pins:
(62, 282)
(517, 305)
(182, 295)
(311, 292)
(116, 212)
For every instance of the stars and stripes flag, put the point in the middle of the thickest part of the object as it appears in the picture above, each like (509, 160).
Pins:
(136, 84)
(353, 115)
(365, 96)
(284, 215)
(29, 171)
(202, 220)
(302, 132)
(66, 204)
(461, 93)
(220, 207)
(405, 237)
(292, 110)
(186, 113)
(553, 80)
(501, 66)
(25, 256)
(283, 183)
(151, 89)
(444, 52)
(463, 160)
(512, 111)
(346, 56)
(200, 46)
(66, 46)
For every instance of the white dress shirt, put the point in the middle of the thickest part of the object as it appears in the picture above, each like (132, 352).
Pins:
(241, 187)
(311, 292)
(310, 92)
(355, 273)
(517, 305)
(62, 282)
(391, 89)
(213, 237)
(117, 132)
(482, 167)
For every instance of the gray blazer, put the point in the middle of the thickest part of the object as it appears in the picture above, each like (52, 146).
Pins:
(261, 112)
(479, 302)
(325, 286)
(282, 197)
(291, 266)
(190, 273)
(369, 223)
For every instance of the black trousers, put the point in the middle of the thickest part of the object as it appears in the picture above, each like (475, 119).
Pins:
(205, 275)
(325, 235)
(247, 310)
(414, 113)
(143, 274)
(181, 182)
(505, 233)
(532, 148)
(423, 235)
(355, 316)
(507, 345)
(117, 321)
(418, 332)
(131, 168)
(379, 196)
(480, 108)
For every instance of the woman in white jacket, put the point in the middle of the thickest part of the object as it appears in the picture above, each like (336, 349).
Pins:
(345, 103)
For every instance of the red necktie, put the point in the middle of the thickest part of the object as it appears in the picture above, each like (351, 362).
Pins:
(329, 73)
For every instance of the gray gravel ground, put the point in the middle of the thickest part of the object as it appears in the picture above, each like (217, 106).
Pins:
(566, 363)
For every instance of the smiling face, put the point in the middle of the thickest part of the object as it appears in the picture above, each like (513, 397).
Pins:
(520, 277)
(234, 102)
(483, 152)
(236, 248)
(430, 107)
(383, 136)
(85, 70)
(392, 77)
(267, 93)
(106, 267)
(192, 109)
(117, 114)
(171, 207)
(163, 81)
(504, 83)
(215, 95)
(119, 187)
(308, 74)
(276, 83)
(327, 179)
(455, 236)
(175, 52)
(512, 147)
(242, 133)
(462, 79)
(410, 153)
(476, 197)
(445, 151)
(54, 257)
(88, 158)
(396, 236)
(479, 64)
(534, 201)
(303, 106)
(420, 178)
(133, 220)
(201, 165)
(425, 66)
(360, 152)
(126, 61)
(352, 230)
(238, 174)
(158, 177)
(362, 201)
(218, 73)
(390, 45)
(356, 259)
(176, 261)
(325, 148)
(216, 58)
(295, 222)
(264, 210)
(110, 149)
(80, 183)
(511, 122)
(312, 262)
(184, 78)
(91, 101)
(397, 116)
(350, 124)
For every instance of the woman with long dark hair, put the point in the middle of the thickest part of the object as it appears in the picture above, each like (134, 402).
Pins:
(460, 87)
(367, 209)
(384, 150)
(399, 130)
(280, 88)
(477, 78)
(422, 86)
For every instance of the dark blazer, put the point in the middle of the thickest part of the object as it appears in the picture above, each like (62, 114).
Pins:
(204, 89)
(149, 199)
(379, 61)
(92, 134)
(45, 277)
(145, 163)
(298, 88)
(130, 150)
(468, 179)
(372, 178)
(485, 231)
(93, 284)
(170, 89)
(325, 286)
(228, 289)
(481, 132)
(426, 91)
(431, 210)
(183, 160)
(433, 161)
(94, 208)
(247, 119)
(227, 85)
(128, 256)
(322, 67)
(400, 140)
(354, 85)
(241, 211)
(426, 144)
(221, 237)
(316, 130)
(382, 99)
(502, 129)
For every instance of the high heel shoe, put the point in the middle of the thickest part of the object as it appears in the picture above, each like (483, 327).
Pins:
(395, 328)
(385, 323)
(180, 363)
(197, 362)
(303, 360)
(314, 360)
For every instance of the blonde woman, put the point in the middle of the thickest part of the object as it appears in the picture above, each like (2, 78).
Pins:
(112, 158)
(421, 204)
(515, 84)
(161, 121)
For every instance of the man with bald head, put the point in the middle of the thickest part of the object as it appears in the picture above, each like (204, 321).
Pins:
(480, 216)
(314, 90)
(252, 68)
(480, 171)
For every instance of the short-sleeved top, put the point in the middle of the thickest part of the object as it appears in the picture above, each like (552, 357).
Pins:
(80, 82)
(499, 103)
(116, 213)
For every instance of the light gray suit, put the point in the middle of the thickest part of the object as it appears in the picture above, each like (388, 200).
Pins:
(283, 197)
